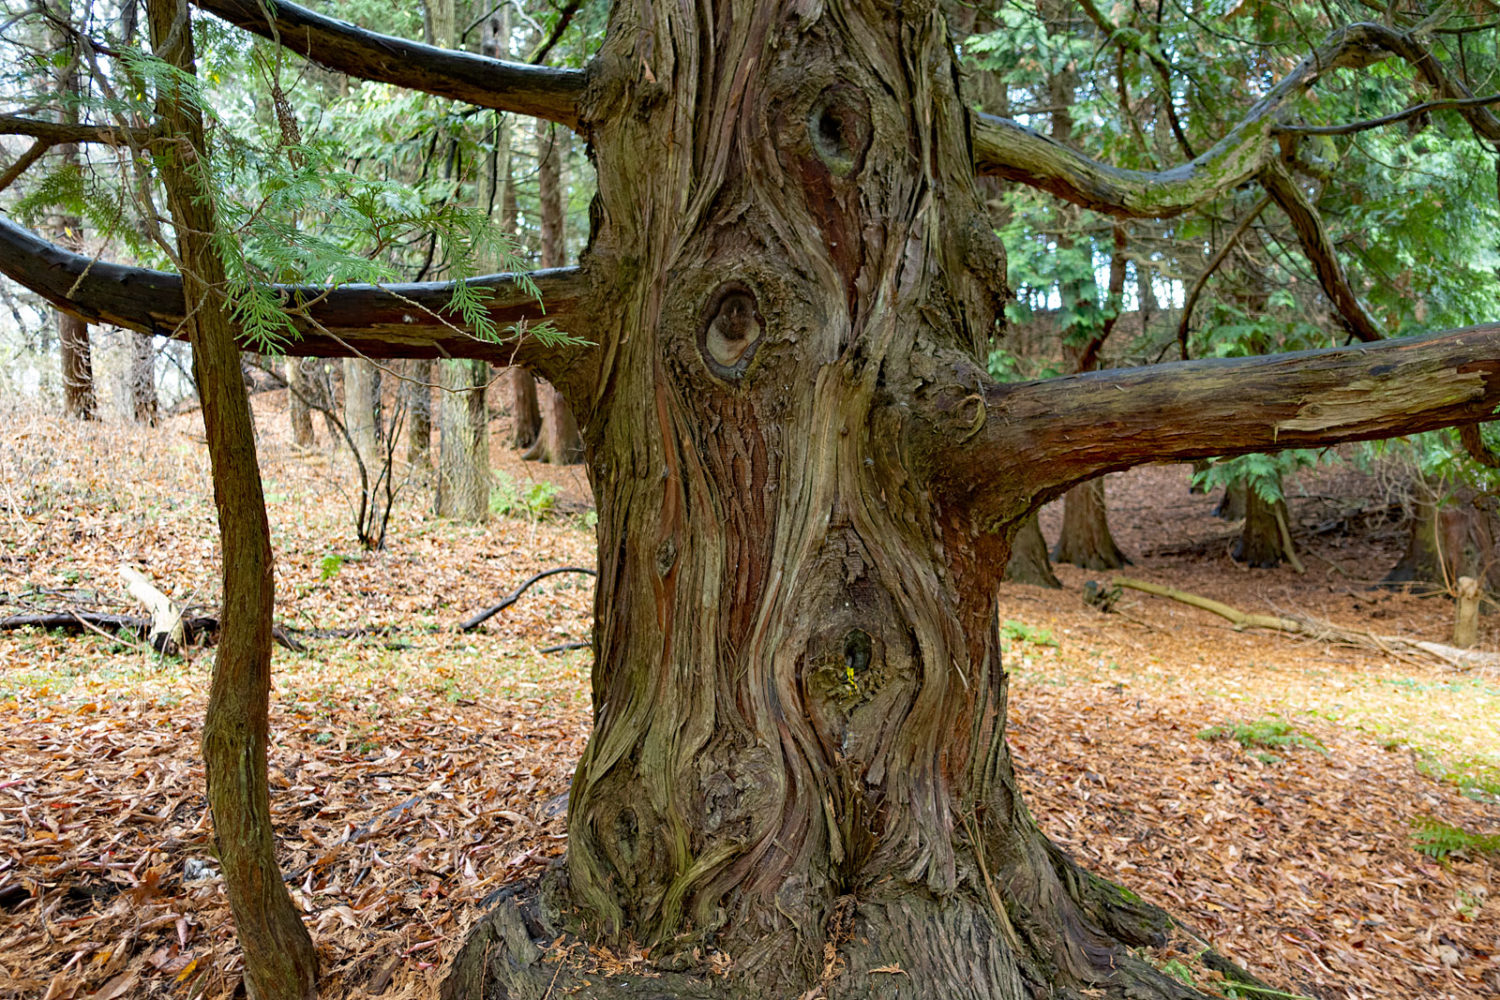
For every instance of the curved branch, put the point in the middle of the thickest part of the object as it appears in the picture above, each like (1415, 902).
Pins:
(1308, 225)
(539, 91)
(1034, 440)
(378, 321)
(1006, 149)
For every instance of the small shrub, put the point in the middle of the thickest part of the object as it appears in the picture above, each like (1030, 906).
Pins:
(532, 501)
(1439, 840)
(1270, 733)
(1021, 632)
(329, 567)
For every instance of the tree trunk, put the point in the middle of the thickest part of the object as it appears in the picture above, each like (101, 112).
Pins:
(280, 963)
(1085, 539)
(798, 759)
(361, 405)
(1453, 534)
(301, 391)
(1231, 506)
(1259, 544)
(418, 390)
(525, 412)
(558, 441)
(1028, 557)
(79, 399)
(463, 486)
(143, 401)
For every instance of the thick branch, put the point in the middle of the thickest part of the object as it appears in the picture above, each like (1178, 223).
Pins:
(1007, 149)
(1308, 225)
(539, 91)
(1002, 449)
(378, 321)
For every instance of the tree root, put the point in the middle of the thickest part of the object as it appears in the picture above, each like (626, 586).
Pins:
(907, 946)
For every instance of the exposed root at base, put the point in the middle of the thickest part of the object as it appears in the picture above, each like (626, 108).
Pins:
(520, 950)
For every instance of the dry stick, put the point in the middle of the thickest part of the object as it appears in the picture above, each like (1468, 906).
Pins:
(1392, 645)
(1286, 541)
(471, 624)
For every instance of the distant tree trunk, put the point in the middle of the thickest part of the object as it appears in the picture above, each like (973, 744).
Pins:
(418, 390)
(1260, 544)
(301, 390)
(1028, 557)
(280, 963)
(1085, 539)
(144, 405)
(559, 442)
(521, 398)
(463, 486)
(1231, 506)
(72, 333)
(361, 403)
(1453, 534)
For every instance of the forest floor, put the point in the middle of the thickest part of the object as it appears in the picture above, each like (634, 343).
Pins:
(415, 769)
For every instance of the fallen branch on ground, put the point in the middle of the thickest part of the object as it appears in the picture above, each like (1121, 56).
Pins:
(471, 624)
(201, 628)
(1392, 645)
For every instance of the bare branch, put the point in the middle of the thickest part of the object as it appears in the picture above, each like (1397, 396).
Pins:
(539, 91)
(1000, 450)
(1415, 111)
(377, 321)
(57, 133)
(1308, 225)
(1004, 148)
(1185, 323)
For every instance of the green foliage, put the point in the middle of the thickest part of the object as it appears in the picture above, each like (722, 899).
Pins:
(1439, 840)
(329, 566)
(1261, 473)
(1269, 733)
(1021, 632)
(532, 501)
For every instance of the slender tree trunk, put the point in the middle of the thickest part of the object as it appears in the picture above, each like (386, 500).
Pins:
(1028, 557)
(463, 486)
(280, 963)
(79, 399)
(1085, 539)
(302, 390)
(558, 441)
(418, 391)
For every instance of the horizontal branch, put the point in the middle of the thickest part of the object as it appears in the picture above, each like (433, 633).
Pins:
(1006, 149)
(539, 91)
(57, 133)
(1001, 449)
(378, 321)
